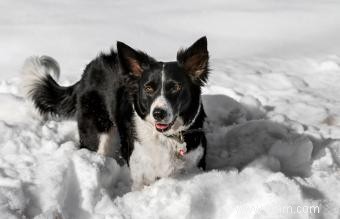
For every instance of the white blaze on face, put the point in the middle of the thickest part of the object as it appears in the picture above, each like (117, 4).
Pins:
(162, 102)
(163, 80)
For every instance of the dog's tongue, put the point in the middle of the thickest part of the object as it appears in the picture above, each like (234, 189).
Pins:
(161, 126)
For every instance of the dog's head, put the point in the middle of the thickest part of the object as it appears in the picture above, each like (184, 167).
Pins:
(167, 94)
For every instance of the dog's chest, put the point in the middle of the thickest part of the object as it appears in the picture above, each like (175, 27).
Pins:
(157, 153)
(156, 156)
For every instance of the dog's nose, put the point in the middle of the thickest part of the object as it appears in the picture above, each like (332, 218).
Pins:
(159, 114)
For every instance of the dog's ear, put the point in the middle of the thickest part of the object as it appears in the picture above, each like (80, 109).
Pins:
(195, 60)
(133, 62)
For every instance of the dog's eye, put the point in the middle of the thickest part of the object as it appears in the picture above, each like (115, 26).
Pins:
(177, 88)
(148, 89)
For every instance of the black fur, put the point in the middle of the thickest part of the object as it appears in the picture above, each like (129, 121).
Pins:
(99, 101)
(195, 136)
(50, 98)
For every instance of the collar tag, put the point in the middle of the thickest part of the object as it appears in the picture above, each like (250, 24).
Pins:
(181, 149)
(181, 145)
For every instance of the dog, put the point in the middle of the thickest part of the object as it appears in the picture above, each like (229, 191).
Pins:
(92, 101)
(129, 106)
(168, 114)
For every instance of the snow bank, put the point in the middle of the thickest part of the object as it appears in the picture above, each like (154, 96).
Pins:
(261, 163)
(213, 195)
(272, 102)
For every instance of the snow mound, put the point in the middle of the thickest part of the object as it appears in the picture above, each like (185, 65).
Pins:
(273, 121)
(213, 195)
(261, 164)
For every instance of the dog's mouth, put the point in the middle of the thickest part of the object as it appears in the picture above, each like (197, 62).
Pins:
(162, 127)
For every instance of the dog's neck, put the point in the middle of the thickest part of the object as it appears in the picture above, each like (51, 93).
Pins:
(184, 128)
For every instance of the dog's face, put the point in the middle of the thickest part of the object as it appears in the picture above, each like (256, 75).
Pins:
(167, 94)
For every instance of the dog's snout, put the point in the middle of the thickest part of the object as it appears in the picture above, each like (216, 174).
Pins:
(159, 114)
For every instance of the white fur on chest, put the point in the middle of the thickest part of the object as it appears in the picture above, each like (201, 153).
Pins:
(154, 156)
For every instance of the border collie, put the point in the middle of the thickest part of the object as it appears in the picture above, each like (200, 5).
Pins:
(130, 105)
(168, 114)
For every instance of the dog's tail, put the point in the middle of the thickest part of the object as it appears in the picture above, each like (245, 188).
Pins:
(40, 86)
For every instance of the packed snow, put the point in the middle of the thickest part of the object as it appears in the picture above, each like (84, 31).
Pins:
(272, 102)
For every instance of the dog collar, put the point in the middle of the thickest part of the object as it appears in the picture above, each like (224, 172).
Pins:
(181, 146)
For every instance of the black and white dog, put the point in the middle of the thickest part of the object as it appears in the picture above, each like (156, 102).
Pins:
(168, 113)
(150, 110)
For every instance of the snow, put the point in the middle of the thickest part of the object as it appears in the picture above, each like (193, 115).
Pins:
(272, 102)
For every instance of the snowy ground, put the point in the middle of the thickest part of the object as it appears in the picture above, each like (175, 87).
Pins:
(272, 100)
